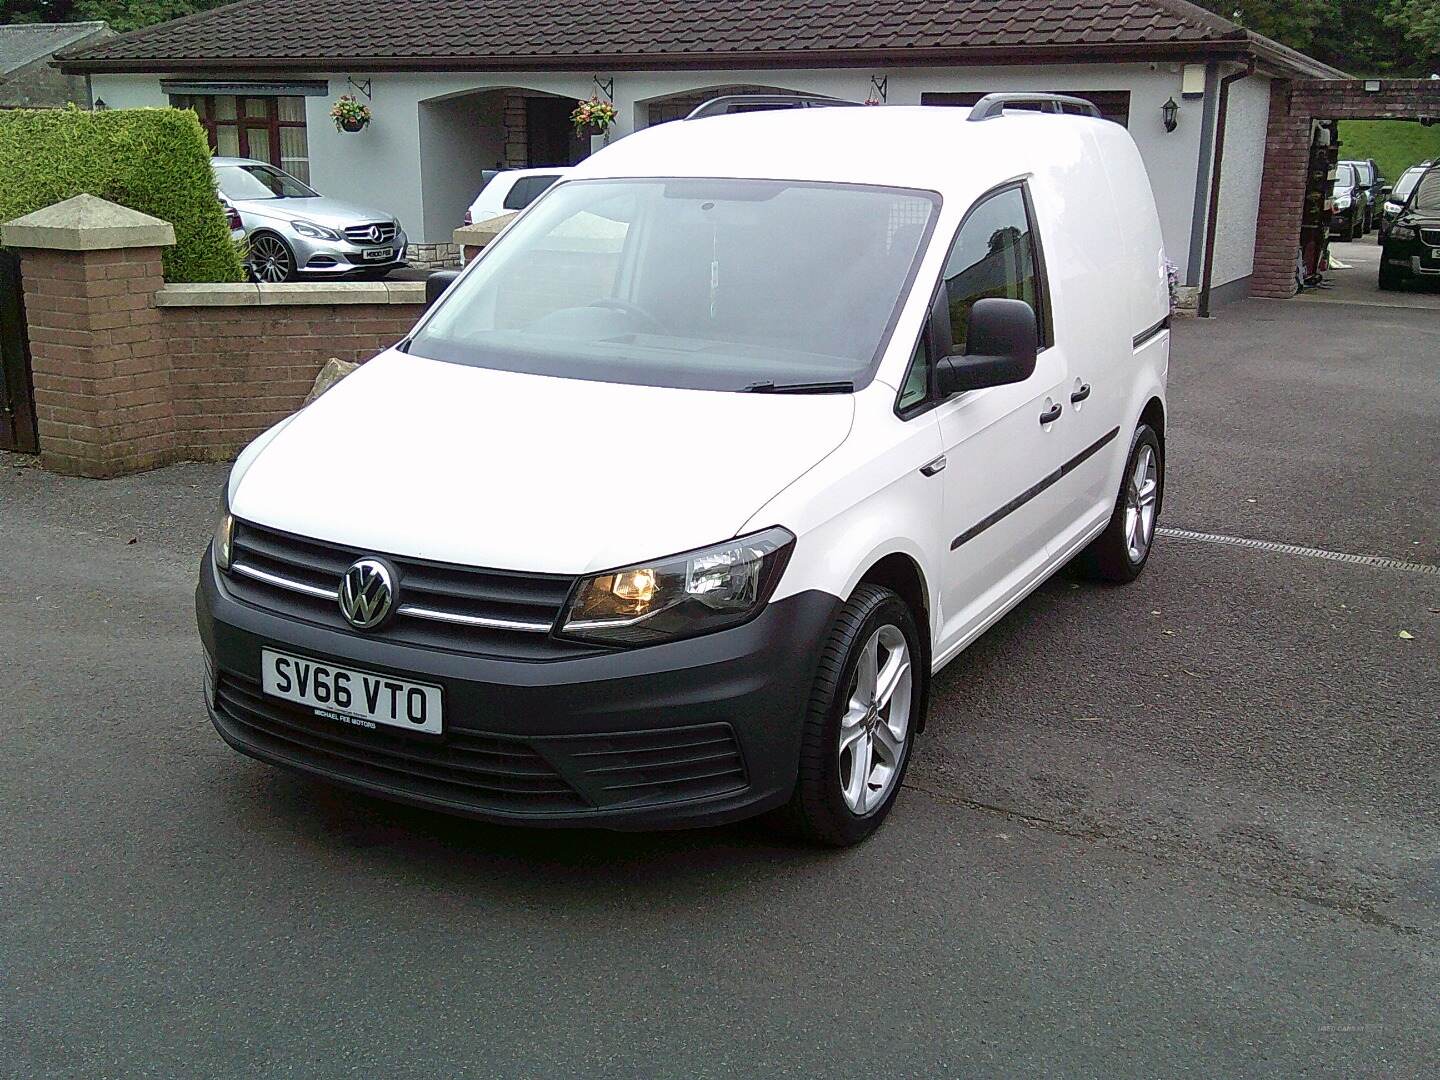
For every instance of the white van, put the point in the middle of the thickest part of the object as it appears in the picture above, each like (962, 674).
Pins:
(667, 512)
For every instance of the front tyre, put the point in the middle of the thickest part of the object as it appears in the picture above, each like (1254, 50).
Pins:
(270, 259)
(1120, 553)
(862, 718)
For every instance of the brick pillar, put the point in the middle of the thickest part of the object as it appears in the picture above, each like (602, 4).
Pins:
(102, 383)
(1277, 238)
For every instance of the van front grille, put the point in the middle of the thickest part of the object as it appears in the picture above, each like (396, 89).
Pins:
(485, 612)
(480, 771)
(498, 773)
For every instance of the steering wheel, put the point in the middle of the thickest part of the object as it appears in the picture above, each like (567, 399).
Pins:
(634, 310)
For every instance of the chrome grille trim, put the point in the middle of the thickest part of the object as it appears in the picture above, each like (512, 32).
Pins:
(360, 234)
(1431, 237)
(284, 583)
(472, 620)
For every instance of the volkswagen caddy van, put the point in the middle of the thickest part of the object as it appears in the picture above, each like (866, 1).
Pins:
(668, 510)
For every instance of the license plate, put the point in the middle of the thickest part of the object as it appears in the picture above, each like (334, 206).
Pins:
(377, 254)
(359, 698)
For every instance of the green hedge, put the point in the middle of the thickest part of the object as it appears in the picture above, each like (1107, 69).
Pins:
(1394, 144)
(152, 160)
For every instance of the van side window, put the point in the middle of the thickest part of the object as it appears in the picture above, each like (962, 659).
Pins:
(917, 381)
(994, 256)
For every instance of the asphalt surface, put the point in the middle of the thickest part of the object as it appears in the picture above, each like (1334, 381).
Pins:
(1357, 281)
(1183, 828)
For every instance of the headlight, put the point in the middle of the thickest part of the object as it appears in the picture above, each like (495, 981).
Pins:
(1392, 208)
(1402, 232)
(696, 593)
(313, 231)
(1343, 202)
(223, 539)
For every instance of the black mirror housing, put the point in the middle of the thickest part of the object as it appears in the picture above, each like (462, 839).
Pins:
(1000, 348)
(437, 283)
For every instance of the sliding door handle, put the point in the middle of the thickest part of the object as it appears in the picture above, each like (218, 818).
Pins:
(1050, 415)
(933, 468)
(1081, 393)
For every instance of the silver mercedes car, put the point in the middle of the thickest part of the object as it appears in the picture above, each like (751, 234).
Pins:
(296, 232)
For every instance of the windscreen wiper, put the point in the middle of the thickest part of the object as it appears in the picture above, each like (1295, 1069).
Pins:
(801, 388)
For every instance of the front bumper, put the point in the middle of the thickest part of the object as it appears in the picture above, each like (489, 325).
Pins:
(694, 732)
(336, 258)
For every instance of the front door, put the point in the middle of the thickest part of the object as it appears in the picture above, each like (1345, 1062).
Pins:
(1002, 444)
(17, 412)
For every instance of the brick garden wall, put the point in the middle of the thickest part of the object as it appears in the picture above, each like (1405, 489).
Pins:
(131, 375)
(1287, 148)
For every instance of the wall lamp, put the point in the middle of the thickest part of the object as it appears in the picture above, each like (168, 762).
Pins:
(1171, 114)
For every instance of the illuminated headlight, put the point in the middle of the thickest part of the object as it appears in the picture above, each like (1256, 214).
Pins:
(223, 540)
(1402, 232)
(696, 593)
(1392, 208)
(313, 231)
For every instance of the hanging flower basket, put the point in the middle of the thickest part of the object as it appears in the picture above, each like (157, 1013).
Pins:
(593, 117)
(349, 114)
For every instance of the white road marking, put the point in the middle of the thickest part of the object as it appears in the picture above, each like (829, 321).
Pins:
(1293, 549)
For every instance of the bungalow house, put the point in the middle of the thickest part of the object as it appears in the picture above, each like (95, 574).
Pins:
(456, 86)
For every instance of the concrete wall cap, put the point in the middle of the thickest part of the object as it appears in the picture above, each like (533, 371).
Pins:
(482, 232)
(208, 295)
(85, 223)
(298, 293)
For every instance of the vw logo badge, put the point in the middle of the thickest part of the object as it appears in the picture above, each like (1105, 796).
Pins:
(367, 594)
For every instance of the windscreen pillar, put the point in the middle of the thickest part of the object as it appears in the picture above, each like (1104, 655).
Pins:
(91, 270)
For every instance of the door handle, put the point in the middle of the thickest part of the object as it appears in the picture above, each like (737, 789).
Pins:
(1050, 415)
(1080, 394)
(933, 468)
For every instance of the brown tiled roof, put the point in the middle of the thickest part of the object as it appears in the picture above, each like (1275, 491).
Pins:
(499, 34)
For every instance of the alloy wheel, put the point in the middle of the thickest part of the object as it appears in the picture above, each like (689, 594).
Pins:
(270, 260)
(876, 724)
(1141, 492)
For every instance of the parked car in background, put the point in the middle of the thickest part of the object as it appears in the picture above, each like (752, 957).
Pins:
(293, 231)
(1372, 187)
(1411, 251)
(690, 484)
(1395, 200)
(1347, 219)
(505, 191)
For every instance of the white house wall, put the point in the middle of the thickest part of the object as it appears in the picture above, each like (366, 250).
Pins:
(383, 166)
(1242, 169)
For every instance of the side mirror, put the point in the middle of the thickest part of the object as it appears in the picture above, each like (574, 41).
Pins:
(1000, 348)
(437, 283)
(1387, 190)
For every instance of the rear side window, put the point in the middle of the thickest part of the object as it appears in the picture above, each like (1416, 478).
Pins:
(994, 256)
(1427, 195)
(526, 190)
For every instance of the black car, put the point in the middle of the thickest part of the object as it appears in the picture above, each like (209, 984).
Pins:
(1396, 198)
(1372, 188)
(1412, 246)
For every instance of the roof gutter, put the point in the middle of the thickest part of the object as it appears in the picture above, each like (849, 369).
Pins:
(1225, 49)
(1213, 216)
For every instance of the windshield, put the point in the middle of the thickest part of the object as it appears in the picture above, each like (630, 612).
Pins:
(1344, 178)
(1427, 195)
(239, 182)
(1406, 184)
(703, 284)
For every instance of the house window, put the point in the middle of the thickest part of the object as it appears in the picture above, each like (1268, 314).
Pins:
(1113, 104)
(268, 128)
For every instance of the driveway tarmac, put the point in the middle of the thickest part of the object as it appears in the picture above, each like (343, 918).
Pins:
(1189, 827)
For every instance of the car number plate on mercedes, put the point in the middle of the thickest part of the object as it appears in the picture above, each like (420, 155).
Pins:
(360, 698)
(377, 254)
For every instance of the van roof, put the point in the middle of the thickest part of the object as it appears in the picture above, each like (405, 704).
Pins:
(915, 146)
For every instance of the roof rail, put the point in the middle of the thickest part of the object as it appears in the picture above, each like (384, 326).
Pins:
(993, 105)
(733, 103)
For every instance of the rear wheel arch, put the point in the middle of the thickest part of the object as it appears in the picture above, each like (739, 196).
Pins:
(1154, 415)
